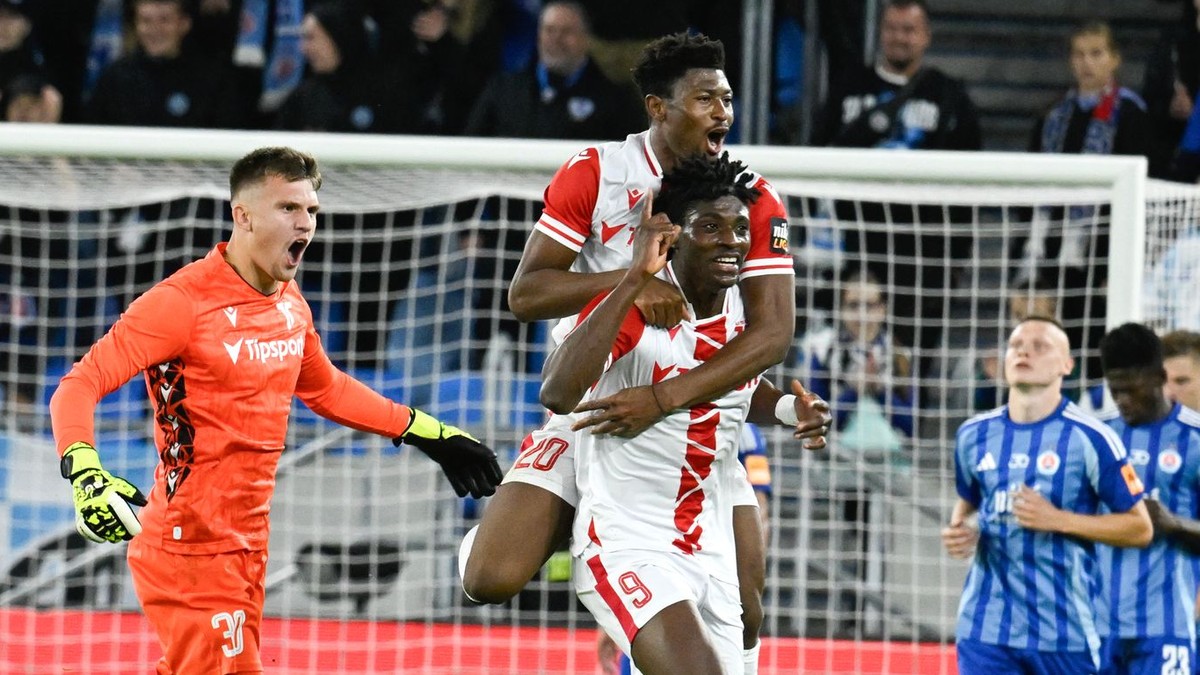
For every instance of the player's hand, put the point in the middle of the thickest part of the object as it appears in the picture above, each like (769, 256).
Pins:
(960, 539)
(662, 304)
(470, 465)
(102, 500)
(1164, 521)
(1034, 512)
(814, 415)
(653, 238)
(626, 413)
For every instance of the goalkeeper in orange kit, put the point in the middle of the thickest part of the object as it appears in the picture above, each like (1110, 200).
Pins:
(224, 344)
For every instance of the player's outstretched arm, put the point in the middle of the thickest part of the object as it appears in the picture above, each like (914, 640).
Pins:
(469, 465)
(1183, 531)
(804, 411)
(102, 500)
(1131, 528)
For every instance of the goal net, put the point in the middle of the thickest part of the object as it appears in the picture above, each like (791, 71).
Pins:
(910, 270)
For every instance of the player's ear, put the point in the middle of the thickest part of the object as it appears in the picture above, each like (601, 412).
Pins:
(656, 107)
(241, 217)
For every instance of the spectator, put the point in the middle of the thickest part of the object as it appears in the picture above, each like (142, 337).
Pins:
(1181, 360)
(1169, 89)
(31, 98)
(1169, 295)
(416, 36)
(900, 102)
(18, 55)
(563, 95)
(1097, 116)
(159, 84)
(860, 360)
(344, 89)
(623, 27)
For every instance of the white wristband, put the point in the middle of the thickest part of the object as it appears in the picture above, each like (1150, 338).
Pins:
(785, 410)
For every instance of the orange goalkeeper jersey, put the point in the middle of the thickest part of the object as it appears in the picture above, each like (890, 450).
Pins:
(221, 362)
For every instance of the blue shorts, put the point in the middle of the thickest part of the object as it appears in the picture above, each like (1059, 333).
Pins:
(978, 658)
(1147, 656)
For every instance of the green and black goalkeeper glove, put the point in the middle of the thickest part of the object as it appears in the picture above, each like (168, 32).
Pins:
(470, 465)
(102, 511)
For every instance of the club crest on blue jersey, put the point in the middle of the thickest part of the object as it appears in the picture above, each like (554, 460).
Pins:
(1170, 461)
(1048, 463)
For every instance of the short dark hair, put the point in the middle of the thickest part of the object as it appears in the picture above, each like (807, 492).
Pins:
(700, 179)
(667, 59)
(905, 4)
(1181, 343)
(287, 163)
(1131, 345)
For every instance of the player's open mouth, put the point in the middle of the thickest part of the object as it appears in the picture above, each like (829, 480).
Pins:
(716, 140)
(296, 251)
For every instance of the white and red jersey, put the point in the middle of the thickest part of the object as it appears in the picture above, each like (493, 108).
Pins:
(594, 202)
(670, 488)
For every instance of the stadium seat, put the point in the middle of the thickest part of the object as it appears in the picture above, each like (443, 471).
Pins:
(333, 571)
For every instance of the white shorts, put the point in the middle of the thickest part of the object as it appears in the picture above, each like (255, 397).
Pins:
(547, 460)
(625, 589)
(743, 491)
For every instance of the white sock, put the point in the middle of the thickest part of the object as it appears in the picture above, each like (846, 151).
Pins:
(750, 659)
(464, 552)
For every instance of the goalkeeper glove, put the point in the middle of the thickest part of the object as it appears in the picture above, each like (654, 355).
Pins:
(102, 500)
(470, 465)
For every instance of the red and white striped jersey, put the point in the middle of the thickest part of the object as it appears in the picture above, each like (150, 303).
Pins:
(594, 202)
(671, 487)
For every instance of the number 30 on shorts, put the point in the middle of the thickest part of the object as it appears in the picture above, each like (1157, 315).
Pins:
(232, 623)
(543, 455)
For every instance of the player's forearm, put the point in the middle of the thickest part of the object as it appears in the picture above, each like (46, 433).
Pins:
(353, 404)
(770, 323)
(1183, 531)
(762, 404)
(553, 293)
(579, 361)
(1129, 529)
(72, 412)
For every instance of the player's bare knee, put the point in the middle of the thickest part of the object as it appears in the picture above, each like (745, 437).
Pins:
(491, 582)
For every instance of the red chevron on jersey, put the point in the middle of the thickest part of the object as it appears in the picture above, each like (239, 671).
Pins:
(609, 231)
(661, 373)
(634, 196)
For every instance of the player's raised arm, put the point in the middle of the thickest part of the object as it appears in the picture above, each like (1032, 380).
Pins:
(560, 234)
(579, 360)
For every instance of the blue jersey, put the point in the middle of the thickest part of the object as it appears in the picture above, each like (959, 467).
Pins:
(1151, 592)
(1035, 590)
(752, 453)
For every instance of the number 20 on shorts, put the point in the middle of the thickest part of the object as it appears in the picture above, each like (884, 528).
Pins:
(543, 455)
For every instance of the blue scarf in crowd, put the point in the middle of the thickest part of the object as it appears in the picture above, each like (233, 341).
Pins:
(285, 67)
(1101, 131)
(106, 44)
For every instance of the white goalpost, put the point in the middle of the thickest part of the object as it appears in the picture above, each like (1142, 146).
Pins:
(418, 238)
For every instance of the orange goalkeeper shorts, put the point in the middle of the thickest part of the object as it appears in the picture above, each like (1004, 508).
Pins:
(205, 609)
